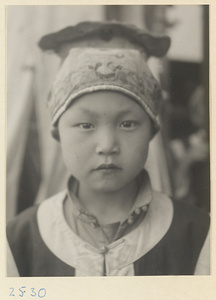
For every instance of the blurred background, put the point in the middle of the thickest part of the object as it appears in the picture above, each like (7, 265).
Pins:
(179, 155)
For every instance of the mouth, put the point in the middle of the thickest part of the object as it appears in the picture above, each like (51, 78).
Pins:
(107, 167)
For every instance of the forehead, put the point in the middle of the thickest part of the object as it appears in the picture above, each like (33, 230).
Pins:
(105, 102)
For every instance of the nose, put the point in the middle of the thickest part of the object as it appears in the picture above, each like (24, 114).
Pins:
(107, 143)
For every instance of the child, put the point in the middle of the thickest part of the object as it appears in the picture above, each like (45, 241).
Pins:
(109, 221)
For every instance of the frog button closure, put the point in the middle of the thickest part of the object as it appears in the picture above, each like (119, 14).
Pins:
(145, 208)
(130, 220)
(103, 250)
(137, 211)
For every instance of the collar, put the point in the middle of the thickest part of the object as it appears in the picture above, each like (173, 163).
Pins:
(88, 260)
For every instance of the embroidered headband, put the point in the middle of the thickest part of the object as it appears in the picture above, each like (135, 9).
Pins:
(105, 56)
(87, 70)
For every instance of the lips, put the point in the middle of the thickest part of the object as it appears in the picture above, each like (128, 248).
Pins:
(107, 167)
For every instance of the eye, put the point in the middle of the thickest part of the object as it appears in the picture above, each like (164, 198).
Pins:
(128, 125)
(85, 126)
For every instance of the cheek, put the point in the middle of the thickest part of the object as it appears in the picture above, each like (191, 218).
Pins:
(139, 142)
(70, 151)
(144, 146)
(139, 151)
(75, 153)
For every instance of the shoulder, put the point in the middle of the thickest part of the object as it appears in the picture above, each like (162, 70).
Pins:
(190, 215)
(182, 212)
(187, 222)
(26, 223)
(189, 228)
(178, 232)
(22, 235)
(22, 222)
(28, 254)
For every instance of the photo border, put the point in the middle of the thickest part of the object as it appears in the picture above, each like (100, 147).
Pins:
(144, 287)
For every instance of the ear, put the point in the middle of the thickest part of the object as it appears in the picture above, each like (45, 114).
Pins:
(55, 133)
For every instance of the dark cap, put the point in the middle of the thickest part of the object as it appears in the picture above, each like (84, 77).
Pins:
(88, 34)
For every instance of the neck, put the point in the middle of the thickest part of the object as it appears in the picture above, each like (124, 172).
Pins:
(109, 207)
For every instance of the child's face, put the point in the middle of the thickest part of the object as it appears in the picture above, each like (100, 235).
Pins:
(105, 138)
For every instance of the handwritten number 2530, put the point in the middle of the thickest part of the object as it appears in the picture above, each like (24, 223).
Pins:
(22, 290)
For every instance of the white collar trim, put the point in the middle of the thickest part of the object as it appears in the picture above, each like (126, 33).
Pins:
(77, 253)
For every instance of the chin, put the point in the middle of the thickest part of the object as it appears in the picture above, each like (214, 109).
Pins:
(108, 188)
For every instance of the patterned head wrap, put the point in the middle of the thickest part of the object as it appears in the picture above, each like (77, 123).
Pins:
(105, 56)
